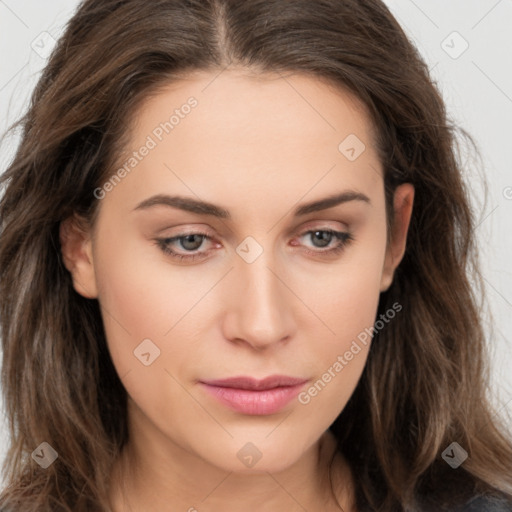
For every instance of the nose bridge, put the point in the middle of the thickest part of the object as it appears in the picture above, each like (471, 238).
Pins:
(261, 308)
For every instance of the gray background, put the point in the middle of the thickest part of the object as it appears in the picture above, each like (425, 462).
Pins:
(467, 45)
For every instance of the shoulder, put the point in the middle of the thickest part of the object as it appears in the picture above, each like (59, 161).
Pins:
(487, 504)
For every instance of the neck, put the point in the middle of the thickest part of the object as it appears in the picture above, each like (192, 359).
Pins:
(151, 478)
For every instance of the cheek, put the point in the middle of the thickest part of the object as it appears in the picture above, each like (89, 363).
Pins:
(340, 355)
(142, 299)
(146, 325)
(347, 295)
(347, 306)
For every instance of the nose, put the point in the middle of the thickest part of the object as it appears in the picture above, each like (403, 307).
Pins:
(260, 308)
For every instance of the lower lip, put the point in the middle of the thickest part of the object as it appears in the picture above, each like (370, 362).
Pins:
(268, 401)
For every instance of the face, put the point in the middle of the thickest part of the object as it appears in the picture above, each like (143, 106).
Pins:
(215, 255)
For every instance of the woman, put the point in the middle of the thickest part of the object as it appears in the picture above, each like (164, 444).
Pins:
(235, 245)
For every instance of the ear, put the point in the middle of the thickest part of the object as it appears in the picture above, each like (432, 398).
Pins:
(76, 248)
(402, 207)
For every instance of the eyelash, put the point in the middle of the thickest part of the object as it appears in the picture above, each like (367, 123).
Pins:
(343, 238)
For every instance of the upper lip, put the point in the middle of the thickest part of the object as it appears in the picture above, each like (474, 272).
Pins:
(250, 383)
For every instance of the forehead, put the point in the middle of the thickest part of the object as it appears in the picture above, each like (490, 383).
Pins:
(250, 134)
(279, 104)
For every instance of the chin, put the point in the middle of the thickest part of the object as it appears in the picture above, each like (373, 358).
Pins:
(253, 457)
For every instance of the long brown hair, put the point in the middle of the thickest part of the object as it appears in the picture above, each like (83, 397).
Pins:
(425, 384)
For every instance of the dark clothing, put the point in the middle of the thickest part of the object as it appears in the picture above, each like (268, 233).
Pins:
(487, 504)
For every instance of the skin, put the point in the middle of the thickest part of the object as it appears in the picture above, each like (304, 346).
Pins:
(258, 146)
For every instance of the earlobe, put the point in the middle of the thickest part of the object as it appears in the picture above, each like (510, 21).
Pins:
(76, 250)
(402, 206)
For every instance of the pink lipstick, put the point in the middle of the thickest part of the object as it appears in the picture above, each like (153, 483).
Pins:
(252, 396)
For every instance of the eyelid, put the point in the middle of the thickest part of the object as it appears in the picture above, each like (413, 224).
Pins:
(320, 224)
(184, 230)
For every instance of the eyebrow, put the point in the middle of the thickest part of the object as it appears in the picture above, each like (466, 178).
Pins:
(205, 208)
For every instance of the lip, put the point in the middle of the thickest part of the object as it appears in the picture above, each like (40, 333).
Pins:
(255, 397)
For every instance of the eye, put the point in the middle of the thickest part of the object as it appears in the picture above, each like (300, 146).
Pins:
(188, 242)
(324, 237)
(193, 241)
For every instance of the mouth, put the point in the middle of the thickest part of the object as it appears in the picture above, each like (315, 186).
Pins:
(252, 396)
